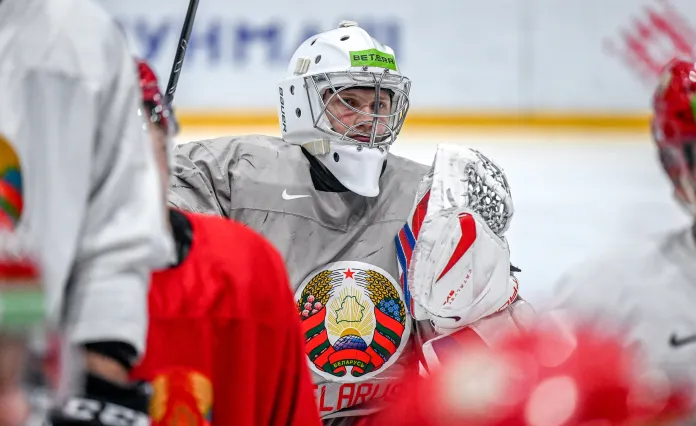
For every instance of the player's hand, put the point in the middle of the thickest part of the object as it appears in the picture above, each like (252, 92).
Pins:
(106, 367)
(104, 403)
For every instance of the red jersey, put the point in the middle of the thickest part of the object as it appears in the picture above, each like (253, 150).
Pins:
(222, 323)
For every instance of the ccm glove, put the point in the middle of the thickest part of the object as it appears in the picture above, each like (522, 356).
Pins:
(104, 403)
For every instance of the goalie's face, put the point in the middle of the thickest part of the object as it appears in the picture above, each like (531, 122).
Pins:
(354, 113)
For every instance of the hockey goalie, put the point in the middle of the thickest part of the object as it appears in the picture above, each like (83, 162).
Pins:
(331, 197)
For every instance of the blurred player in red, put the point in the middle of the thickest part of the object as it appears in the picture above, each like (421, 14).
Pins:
(543, 377)
(222, 319)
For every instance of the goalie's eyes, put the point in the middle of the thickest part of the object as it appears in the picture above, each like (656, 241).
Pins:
(355, 104)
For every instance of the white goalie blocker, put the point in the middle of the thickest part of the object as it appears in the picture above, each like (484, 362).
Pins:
(454, 257)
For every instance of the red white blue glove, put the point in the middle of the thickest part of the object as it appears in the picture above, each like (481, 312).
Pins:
(454, 256)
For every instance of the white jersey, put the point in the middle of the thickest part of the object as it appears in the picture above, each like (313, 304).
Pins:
(73, 146)
(645, 292)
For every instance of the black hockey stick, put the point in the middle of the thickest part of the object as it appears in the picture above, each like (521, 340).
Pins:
(180, 52)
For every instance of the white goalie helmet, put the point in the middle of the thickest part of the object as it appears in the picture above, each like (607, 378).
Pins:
(353, 145)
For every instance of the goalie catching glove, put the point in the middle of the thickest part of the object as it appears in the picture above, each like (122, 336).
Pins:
(455, 260)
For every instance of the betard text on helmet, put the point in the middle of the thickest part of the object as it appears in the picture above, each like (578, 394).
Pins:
(372, 58)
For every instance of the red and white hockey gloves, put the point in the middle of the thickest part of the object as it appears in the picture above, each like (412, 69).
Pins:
(455, 260)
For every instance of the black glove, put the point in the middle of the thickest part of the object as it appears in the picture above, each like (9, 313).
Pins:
(104, 404)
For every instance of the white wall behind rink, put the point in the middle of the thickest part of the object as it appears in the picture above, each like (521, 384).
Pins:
(494, 55)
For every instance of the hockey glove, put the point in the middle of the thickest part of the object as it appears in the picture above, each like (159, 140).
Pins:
(459, 268)
(104, 404)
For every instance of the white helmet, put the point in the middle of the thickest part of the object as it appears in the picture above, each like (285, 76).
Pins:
(328, 64)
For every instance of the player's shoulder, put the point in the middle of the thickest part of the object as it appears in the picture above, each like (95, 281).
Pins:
(235, 247)
(227, 266)
(235, 142)
(229, 232)
(402, 173)
(628, 272)
(246, 265)
(626, 261)
(405, 166)
(228, 148)
(72, 38)
(81, 15)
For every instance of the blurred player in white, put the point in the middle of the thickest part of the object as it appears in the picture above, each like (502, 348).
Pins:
(646, 292)
(80, 183)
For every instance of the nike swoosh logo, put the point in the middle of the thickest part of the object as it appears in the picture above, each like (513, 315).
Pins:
(681, 341)
(287, 196)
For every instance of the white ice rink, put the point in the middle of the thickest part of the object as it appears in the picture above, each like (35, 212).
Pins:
(575, 195)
